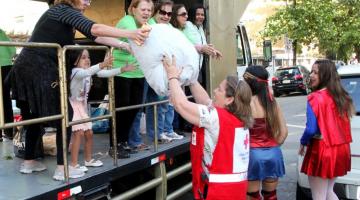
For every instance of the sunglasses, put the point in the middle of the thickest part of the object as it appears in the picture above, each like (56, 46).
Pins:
(183, 14)
(163, 12)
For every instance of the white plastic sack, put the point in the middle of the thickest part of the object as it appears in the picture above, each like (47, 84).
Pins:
(164, 39)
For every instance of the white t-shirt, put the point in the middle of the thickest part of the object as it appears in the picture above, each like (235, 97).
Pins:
(209, 120)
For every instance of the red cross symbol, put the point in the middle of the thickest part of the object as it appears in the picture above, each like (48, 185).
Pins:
(246, 141)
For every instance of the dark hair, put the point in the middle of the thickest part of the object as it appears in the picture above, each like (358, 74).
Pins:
(160, 4)
(330, 79)
(257, 81)
(240, 107)
(73, 58)
(174, 16)
(192, 14)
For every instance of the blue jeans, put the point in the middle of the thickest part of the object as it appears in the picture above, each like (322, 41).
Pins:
(134, 134)
(161, 110)
(169, 118)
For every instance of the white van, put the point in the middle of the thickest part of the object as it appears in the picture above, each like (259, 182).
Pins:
(346, 186)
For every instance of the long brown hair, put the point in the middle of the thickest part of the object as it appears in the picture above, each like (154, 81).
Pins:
(240, 107)
(257, 81)
(173, 20)
(330, 79)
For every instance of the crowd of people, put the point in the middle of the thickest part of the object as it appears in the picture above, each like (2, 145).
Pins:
(236, 142)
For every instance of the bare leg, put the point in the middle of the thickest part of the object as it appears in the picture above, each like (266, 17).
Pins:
(253, 190)
(75, 146)
(269, 189)
(88, 145)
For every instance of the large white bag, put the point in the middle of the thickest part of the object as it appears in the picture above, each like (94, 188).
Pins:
(166, 40)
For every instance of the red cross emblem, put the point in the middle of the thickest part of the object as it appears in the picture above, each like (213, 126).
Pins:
(246, 141)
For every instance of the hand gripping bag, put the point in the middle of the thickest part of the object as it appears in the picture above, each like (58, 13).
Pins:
(166, 40)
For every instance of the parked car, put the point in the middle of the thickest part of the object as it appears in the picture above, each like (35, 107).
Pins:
(348, 186)
(290, 79)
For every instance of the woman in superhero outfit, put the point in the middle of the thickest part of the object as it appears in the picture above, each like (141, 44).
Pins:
(220, 140)
(266, 163)
(327, 135)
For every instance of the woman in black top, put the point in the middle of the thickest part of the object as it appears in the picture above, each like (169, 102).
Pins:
(34, 77)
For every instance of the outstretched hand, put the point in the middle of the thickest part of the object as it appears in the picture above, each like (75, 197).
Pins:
(140, 35)
(170, 66)
(126, 46)
(108, 61)
(128, 67)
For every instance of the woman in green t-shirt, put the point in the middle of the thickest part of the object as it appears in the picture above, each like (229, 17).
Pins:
(129, 85)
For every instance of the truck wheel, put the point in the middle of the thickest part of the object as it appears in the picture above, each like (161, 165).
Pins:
(300, 194)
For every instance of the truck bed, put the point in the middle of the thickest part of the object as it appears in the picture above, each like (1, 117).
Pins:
(40, 185)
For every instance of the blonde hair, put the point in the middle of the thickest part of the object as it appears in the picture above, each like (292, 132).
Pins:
(73, 3)
(135, 4)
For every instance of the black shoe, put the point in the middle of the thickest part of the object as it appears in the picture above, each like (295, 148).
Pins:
(123, 154)
(125, 146)
(120, 154)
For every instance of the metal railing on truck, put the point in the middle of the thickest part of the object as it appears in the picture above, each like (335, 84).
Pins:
(161, 177)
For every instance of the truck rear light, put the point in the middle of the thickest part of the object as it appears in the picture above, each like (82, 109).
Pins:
(298, 77)
(69, 192)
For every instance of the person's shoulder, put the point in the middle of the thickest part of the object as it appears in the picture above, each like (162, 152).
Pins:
(152, 21)
(127, 21)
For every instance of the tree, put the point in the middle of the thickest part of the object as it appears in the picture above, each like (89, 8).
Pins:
(330, 25)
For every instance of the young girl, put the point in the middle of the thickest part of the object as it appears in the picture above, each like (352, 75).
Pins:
(80, 83)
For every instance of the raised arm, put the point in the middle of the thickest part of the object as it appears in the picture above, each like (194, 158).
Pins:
(185, 108)
(113, 42)
(199, 94)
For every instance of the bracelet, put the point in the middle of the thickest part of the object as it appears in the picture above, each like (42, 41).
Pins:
(174, 77)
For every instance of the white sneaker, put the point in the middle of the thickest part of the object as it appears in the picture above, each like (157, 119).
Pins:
(73, 173)
(165, 138)
(93, 163)
(29, 167)
(82, 168)
(174, 135)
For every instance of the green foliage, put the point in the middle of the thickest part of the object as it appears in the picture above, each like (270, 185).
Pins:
(332, 25)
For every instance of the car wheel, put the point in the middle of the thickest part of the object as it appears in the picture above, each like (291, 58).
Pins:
(301, 194)
(276, 94)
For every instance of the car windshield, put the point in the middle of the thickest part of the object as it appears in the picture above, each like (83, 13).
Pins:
(289, 72)
(352, 86)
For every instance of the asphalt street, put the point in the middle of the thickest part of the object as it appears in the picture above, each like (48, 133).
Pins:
(294, 110)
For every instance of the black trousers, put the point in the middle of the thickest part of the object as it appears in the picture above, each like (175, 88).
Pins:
(128, 91)
(8, 111)
(35, 132)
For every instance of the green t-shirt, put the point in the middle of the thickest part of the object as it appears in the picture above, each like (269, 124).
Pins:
(6, 52)
(122, 57)
(189, 33)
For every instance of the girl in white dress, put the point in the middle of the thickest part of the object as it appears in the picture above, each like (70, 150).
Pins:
(80, 84)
